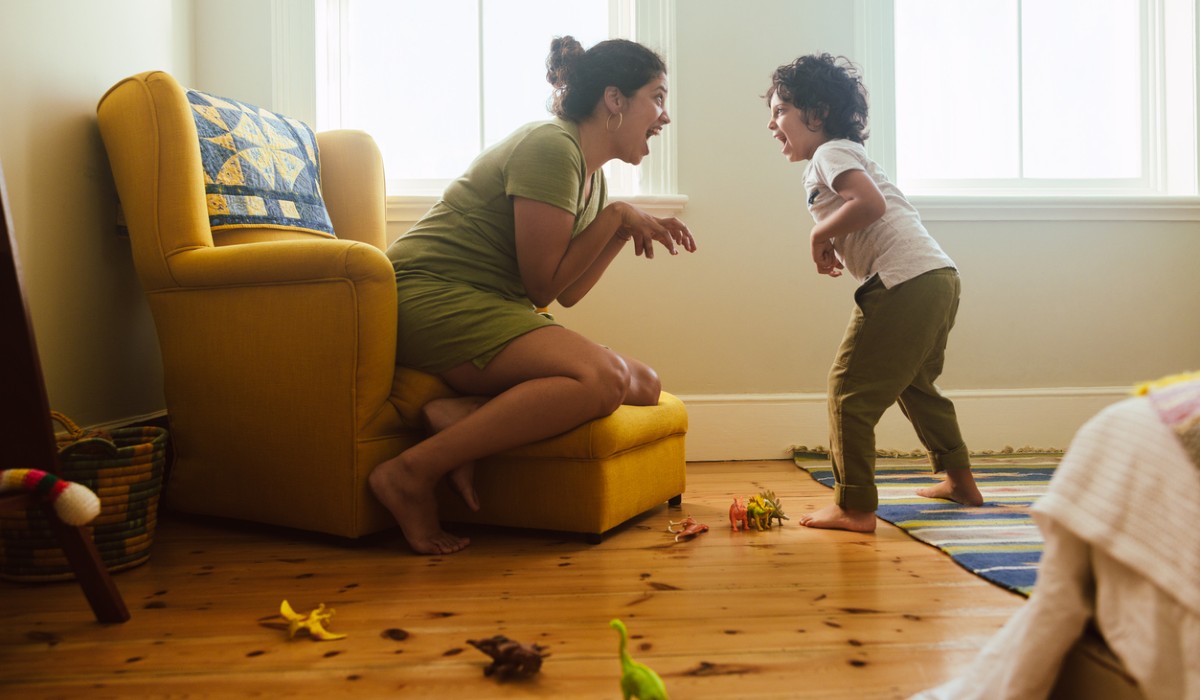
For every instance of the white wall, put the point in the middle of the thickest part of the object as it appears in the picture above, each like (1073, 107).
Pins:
(1058, 317)
(57, 58)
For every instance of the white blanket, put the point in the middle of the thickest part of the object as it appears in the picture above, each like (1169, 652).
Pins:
(1121, 522)
(1128, 488)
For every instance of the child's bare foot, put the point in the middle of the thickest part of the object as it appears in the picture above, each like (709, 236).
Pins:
(958, 486)
(835, 517)
(413, 507)
(463, 480)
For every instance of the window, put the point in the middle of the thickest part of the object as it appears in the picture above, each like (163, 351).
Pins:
(437, 82)
(1034, 96)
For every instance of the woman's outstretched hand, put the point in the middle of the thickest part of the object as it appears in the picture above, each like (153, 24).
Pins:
(644, 229)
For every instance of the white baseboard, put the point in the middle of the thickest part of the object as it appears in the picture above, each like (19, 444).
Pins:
(765, 426)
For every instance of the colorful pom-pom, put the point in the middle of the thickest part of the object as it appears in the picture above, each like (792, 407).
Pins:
(74, 503)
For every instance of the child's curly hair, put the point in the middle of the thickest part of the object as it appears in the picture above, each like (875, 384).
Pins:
(828, 88)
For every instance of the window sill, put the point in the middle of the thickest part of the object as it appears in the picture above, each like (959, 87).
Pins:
(660, 205)
(410, 208)
(1045, 208)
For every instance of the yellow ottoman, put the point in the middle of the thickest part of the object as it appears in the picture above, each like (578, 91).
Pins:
(587, 480)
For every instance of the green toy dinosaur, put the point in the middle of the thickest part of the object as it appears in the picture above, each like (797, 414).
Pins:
(637, 680)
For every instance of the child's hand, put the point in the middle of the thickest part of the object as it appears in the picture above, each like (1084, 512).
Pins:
(826, 259)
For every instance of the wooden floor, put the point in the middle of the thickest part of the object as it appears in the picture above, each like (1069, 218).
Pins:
(789, 613)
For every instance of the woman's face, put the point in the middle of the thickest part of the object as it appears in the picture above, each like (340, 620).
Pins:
(788, 126)
(644, 116)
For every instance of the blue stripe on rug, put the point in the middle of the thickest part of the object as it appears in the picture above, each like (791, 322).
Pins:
(997, 541)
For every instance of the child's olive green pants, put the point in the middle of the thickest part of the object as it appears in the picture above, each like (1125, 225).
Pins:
(893, 351)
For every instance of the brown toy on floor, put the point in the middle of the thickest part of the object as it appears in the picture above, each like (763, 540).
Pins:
(510, 659)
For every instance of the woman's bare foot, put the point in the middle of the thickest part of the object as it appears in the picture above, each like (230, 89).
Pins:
(958, 486)
(412, 504)
(835, 517)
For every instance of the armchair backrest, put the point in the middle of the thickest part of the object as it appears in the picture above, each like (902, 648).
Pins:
(153, 151)
(149, 130)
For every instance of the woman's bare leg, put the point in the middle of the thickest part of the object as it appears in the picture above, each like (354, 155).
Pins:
(544, 383)
(440, 414)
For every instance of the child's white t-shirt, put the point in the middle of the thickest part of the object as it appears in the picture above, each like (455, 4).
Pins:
(896, 247)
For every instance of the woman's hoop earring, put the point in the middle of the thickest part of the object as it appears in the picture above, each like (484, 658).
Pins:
(620, 120)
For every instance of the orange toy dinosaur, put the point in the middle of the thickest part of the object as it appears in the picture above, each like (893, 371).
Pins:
(738, 520)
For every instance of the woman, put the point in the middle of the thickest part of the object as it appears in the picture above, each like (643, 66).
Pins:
(526, 225)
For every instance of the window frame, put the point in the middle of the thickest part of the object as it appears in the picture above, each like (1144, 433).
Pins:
(1029, 202)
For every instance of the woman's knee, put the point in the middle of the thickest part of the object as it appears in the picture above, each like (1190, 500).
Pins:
(644, 386)
(630, 382)
(608, 381)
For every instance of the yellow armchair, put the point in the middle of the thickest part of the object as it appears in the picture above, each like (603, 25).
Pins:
(278, 347)
(278, 351)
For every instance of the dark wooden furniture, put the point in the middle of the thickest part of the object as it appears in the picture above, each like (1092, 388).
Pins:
(27, 432)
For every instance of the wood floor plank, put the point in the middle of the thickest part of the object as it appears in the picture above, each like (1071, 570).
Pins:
(786, 613)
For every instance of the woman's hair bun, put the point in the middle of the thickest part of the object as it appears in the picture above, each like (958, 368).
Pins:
(565, 52)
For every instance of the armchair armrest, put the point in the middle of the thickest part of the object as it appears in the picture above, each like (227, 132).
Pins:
(328, 306)
(279, 262)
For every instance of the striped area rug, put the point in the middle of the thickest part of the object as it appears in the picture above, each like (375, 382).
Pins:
(998, 541)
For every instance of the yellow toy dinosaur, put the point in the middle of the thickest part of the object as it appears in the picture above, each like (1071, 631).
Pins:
(762, 508)
(637, 680)
(314, 622)
(757, 513)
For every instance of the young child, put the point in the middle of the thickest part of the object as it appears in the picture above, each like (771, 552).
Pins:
(904, 306)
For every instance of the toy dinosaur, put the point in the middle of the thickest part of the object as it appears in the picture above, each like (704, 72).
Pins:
(689, 528)
(314, 622)
(757, 512)
(761, 509)
(510, 659)
(774, 508)
(637, 679)
(737, 515)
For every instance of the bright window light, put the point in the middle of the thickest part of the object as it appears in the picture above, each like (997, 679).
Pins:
(1036, 96)
(1082, 99)
(437, 82)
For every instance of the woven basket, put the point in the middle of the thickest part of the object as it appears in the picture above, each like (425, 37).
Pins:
(124, 467)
